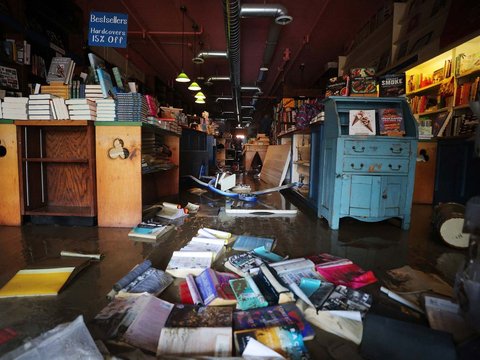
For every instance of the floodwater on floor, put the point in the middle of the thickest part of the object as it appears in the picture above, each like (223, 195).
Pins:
(373, 246)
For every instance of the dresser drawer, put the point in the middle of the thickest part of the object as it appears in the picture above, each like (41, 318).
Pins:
(379, 148)
(353, 164)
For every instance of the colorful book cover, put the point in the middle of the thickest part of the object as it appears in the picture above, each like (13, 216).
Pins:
(347, 299)
(338, 86)
(106, 83)
(391, 122)
(362, 82)
(391, 85)
(277, 315)
(362, 122)
(286, 340)
(214, 287)
(350, 275)
(247, 243)
(247, 293)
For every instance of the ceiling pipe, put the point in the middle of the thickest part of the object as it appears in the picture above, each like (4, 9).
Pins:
(252, 88)
(202, 55)
(224, 99)
(211, 79)
(232, 32)
(277, 11)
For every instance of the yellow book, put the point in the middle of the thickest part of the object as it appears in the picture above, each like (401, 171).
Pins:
(36, 282)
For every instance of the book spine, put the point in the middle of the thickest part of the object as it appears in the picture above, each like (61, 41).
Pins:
(192, 287)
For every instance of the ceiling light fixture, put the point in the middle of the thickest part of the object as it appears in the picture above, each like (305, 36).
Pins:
(194, 86)
(264, 68)
(182, 77)
(200, 101)
(200, 95)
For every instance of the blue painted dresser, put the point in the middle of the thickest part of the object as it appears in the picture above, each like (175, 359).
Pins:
(369, 178)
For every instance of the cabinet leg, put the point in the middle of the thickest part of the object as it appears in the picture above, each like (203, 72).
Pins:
(406, 223)
(334, 223)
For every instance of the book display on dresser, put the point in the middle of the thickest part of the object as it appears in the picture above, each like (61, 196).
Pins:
(367, 177)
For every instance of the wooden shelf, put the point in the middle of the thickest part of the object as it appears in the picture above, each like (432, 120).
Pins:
(53, 122)
(468, 73)
(55, 160)
(445, 109)
(429, 87)
(51, 210)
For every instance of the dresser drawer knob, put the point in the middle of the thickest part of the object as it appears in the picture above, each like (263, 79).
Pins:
(356, 168)
(361, 150)
(396, 151)
(395, 169)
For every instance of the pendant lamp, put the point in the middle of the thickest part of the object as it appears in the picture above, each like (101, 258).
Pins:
(200, 95)
(200, 101)
(182, 77)
(194, 86)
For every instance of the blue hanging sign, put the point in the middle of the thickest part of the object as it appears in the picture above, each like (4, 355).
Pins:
(108, 29)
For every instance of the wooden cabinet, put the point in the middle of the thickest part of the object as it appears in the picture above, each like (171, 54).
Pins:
(369, 178)
(10, 189)
(57, 169)
(125, 187)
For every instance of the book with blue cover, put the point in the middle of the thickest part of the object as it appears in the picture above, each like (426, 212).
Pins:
(247, 243)
(247, 293)
(106, 84)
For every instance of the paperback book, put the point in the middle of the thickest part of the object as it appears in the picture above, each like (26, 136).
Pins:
(277, 315)
(271, 286)
(247, 243)
(149, 230)
(350, 275)
(247, 293)
(183, 263)
(211, 288)
(193, 330)
(286, 340)
(246, 262)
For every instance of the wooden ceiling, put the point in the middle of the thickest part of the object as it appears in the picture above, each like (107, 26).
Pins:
(317, 35)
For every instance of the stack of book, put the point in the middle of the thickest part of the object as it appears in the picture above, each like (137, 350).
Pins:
(56, 88)
(199, 253)
(82, 109)
(1, 111)
(106, 110)
(40, 107)
(131, 107)
(15, 108)
(93, 92)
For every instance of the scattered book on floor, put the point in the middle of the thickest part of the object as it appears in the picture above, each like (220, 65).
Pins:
(324, 260)
(171, 211)
(293, 270)
(286, 340)
(143, 278)
(149, 230)
(193, 330)
(247, 243)
(144, 331)
(317, 291)
(247, 293)
(343, 298)
(350, 275)
(271, 286)
(114, 319)
(197, 244)
(350, 328)
(210, 288)
(245, 262)
(183, 263)
(277, 315)
(45, 278)
(215, 234)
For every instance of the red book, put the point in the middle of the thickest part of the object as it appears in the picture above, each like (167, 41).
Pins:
(350, 275)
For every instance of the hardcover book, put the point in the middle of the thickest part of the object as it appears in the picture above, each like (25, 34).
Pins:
(106, 83)
(286, 340)
(346, 299)
(362, 82)
(391, 122)
(362, 122)
(391, 85)
(246, 262)
(277, 315)
(59, 70)
(193, 330)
